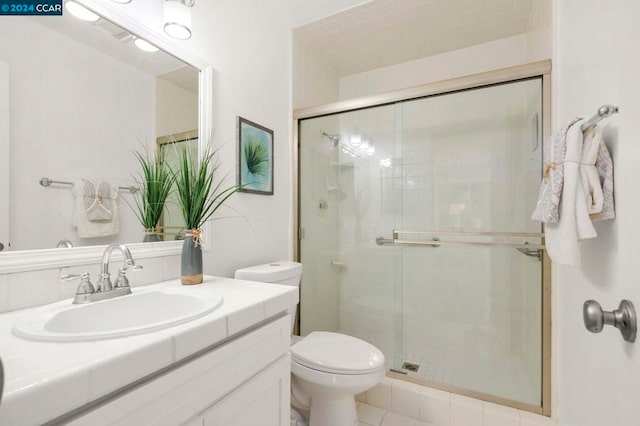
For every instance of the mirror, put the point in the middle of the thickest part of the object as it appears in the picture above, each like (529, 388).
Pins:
(76, 99)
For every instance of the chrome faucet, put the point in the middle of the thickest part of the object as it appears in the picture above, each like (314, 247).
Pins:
(104, 282)
(86, 292)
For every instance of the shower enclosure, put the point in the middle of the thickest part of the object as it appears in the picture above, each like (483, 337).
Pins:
(415, 233)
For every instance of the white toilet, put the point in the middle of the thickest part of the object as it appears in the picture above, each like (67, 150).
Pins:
(327, 369)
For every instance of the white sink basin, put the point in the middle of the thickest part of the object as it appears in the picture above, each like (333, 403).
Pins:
(146, 309)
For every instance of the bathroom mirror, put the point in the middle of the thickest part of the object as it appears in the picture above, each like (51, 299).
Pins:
(76, 99)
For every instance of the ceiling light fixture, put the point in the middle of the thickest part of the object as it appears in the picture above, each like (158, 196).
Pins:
(145, 45)
(177, 18)
(80, 11)
(122, 1)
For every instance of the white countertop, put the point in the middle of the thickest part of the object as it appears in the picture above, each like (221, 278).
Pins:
(44, 380)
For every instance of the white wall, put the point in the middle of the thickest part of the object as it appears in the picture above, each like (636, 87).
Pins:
(75, 113)
(248, 42)
(305, 11)
(502, 53)
(597, 62)
(314, 82)
(4, 154)
(176, 109)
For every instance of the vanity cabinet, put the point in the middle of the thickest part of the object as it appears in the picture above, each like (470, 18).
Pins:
(242, 381)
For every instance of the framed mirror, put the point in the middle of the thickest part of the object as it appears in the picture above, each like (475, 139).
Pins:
(77, 99)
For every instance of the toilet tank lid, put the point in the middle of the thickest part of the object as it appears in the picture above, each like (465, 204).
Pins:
(337, 353)
(270, 272)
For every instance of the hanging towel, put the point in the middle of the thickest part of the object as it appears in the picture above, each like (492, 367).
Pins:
(97, 200)
(548, 205)
(604, 165)
(96, 228)
(587, 193)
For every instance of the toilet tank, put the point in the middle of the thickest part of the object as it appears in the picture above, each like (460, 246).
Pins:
(284, 272)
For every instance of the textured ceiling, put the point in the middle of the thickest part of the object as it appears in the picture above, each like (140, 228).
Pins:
(387, 32)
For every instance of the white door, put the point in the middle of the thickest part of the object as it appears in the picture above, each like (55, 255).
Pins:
(4, 156)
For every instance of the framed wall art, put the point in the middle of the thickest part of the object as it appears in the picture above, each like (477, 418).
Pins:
(255, 157)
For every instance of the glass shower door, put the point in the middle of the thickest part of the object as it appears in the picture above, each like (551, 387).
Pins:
(350, 284)
(472, 306)
(416, 236)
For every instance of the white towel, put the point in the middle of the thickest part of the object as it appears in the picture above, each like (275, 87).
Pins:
(548, 206)
(93, 229)
(583, 194)
(604, 165)
(98, 200)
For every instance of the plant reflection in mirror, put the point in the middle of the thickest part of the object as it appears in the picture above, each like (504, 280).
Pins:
(155, 184)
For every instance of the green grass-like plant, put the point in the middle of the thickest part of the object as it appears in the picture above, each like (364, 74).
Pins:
(256, 156)
(154, 186)
(198, 195)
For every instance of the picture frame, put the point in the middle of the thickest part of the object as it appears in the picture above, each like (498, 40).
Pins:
(255, 157)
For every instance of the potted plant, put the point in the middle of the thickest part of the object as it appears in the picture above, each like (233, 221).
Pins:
(154, 186)
(199, 197)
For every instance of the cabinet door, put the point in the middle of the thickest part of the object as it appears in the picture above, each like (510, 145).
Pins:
(264, 400)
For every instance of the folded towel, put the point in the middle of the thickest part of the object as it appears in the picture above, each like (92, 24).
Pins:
(97, 200)
(562, 238)
(93, 229)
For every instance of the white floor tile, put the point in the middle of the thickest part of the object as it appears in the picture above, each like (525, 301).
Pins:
(370, 415)
(393, 419)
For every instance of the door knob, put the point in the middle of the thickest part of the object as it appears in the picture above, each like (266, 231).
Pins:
(623, 318)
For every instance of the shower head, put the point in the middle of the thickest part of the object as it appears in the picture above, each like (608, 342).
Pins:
(334, 140)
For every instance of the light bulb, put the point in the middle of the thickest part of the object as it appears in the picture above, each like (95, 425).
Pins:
(145, 45)
(177, 19)
(80, 11)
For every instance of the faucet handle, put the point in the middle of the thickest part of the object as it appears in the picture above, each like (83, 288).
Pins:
(122, 281)
(131, 267)
(85, 286)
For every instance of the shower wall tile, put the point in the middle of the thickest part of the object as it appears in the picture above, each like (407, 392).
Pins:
(499, 415)
(405, 398)
(440, 408)
(466, 411)
(435, 406)
(380, 394)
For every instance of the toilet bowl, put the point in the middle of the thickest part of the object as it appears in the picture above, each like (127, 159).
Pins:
(327, 369)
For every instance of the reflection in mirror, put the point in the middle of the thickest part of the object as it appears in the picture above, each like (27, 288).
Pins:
(172, 223)
(76, 99)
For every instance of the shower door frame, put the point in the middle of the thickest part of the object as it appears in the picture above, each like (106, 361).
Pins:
(540, 69)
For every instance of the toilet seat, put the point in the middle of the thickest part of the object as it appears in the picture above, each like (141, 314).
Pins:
(337, 354)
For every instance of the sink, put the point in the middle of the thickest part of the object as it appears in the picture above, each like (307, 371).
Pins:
(147, 309)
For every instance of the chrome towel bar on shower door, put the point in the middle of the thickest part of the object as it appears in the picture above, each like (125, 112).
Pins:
(437, 241)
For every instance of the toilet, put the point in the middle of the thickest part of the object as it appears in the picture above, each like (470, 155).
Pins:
(327, 369)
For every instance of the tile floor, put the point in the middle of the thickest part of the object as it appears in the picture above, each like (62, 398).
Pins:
(368, 415)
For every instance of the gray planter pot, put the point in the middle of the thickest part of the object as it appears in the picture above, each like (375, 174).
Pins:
(191, 265)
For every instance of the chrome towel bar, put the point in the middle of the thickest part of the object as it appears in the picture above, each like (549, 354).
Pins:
(45, 181)
(525, 247)
(603, 112)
